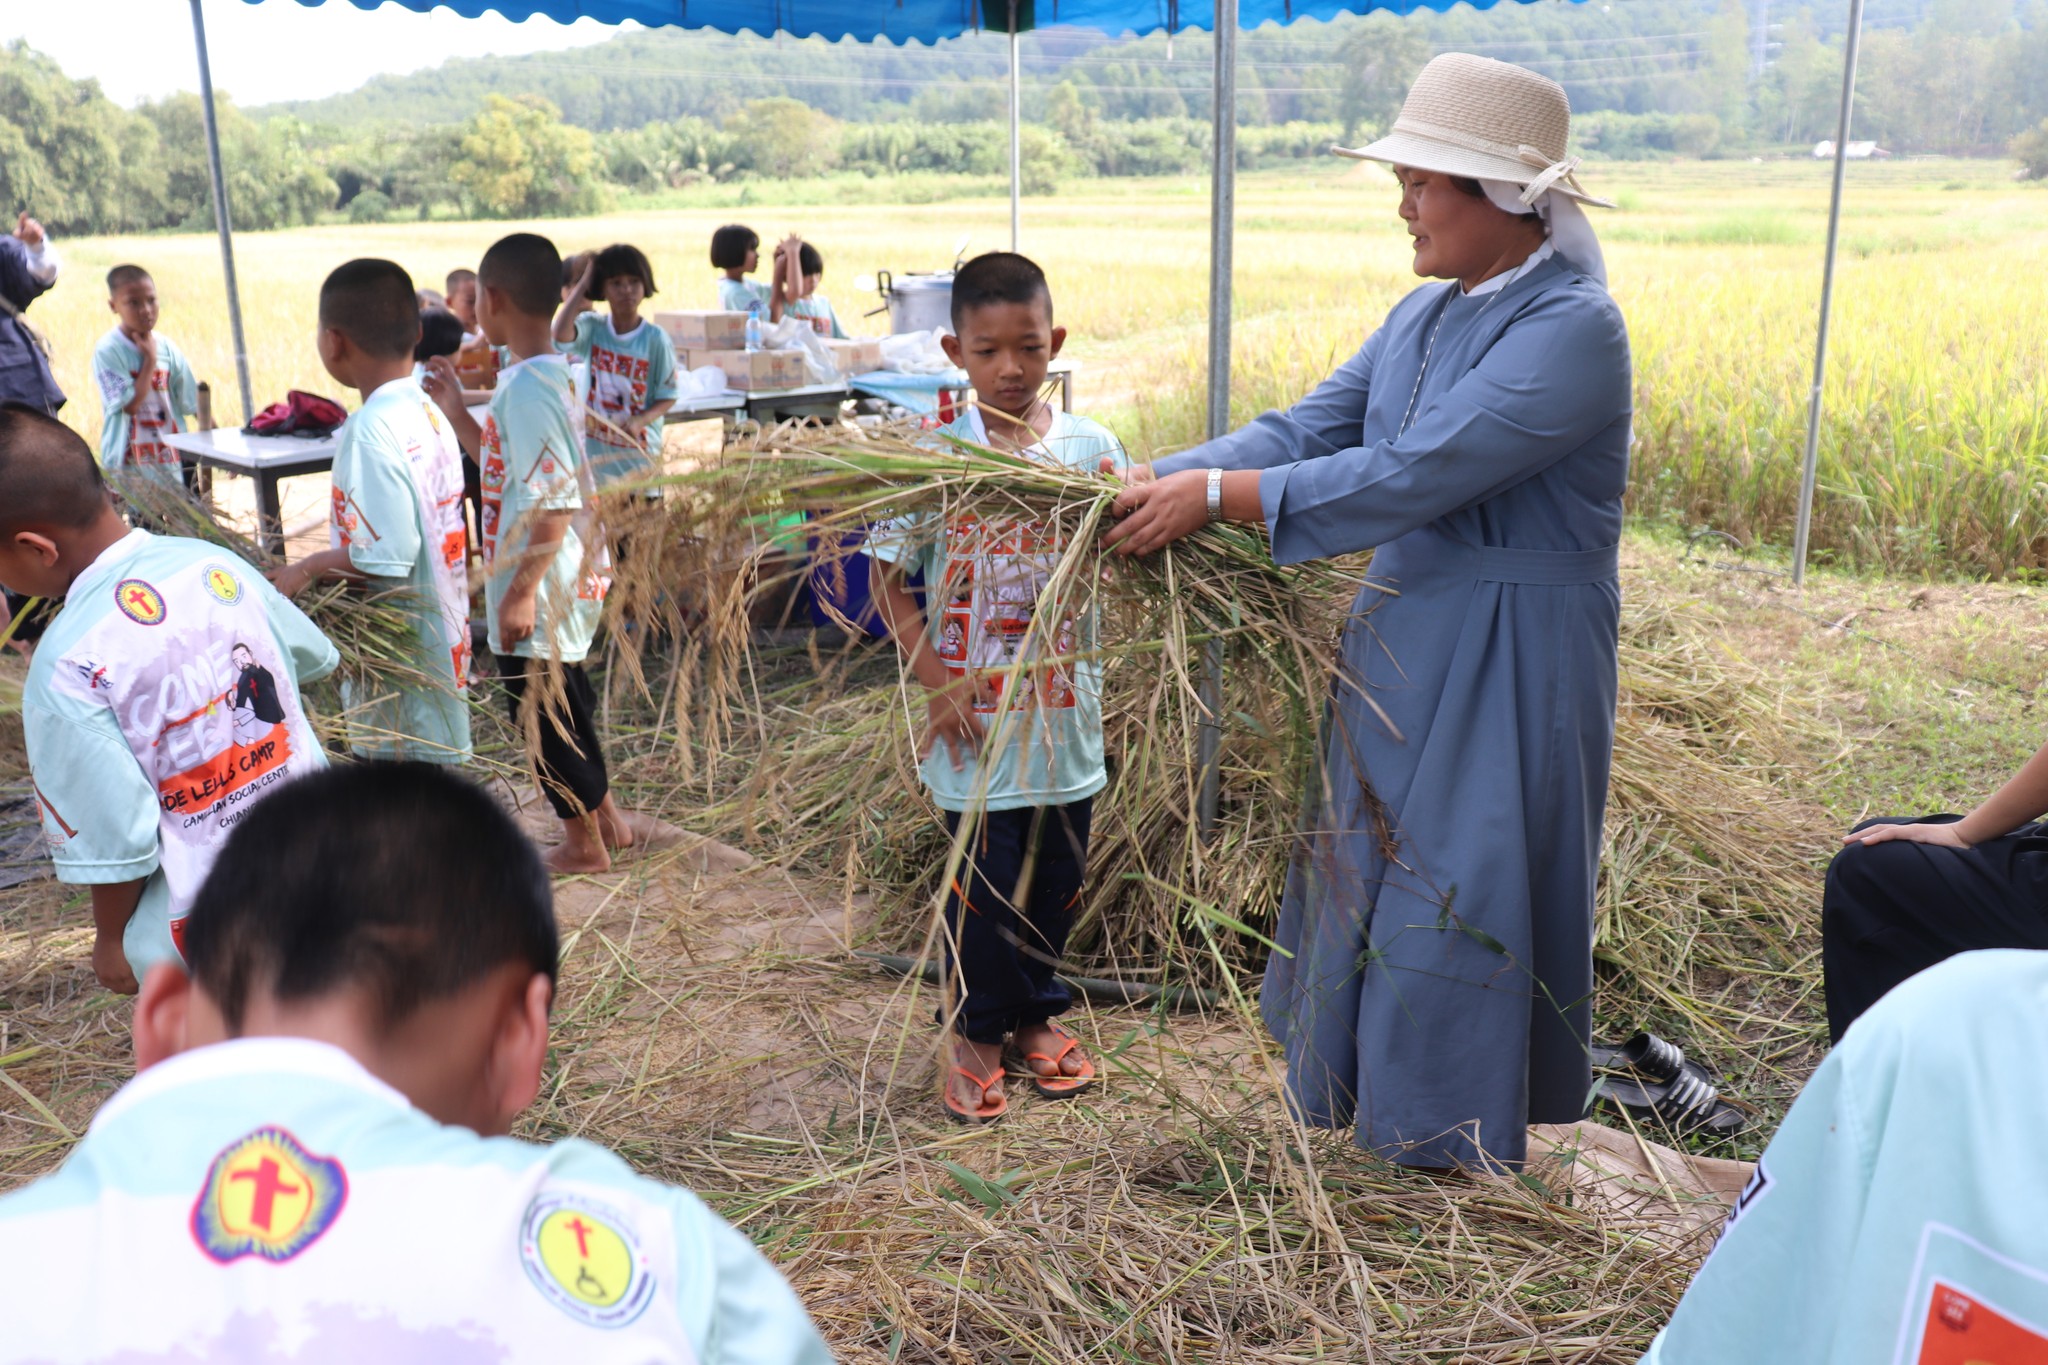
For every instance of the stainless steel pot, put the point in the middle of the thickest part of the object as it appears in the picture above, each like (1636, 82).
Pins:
(918, 303)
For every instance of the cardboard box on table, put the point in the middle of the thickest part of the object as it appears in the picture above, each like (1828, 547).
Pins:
(749, 371)
(855, 355)
(704, 331)
(476, 367)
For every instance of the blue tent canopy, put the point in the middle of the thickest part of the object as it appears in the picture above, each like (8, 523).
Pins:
(902, 21)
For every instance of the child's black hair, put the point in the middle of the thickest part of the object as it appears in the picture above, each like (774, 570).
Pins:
(441, 333)
(526, 266)
(619, 259)
(121, 276)
(808, 261)
(371, 302)
(461, 275)
(730, 245)
(401, 882)
(49, 476)
(998, 277)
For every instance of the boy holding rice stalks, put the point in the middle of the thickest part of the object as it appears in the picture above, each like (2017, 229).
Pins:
(541, 597)
(1013, 742)
(163, 702)
(396, 516)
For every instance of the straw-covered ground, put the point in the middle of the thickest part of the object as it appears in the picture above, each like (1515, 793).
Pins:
(716, 1027)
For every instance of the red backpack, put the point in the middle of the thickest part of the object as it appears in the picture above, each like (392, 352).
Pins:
(300, 414)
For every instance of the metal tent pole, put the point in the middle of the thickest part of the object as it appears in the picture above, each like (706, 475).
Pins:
(1811, 470)
(1222, 223)
(220, 213)
(1016, 143)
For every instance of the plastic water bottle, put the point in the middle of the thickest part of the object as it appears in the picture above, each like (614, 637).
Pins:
(753, 329)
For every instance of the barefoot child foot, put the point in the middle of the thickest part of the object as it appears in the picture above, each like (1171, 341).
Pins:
(623, 829)
(973, 1084)
(582, 848)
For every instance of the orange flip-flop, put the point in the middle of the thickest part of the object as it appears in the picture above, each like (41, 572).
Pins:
(986, 1111)
(1057, 1085)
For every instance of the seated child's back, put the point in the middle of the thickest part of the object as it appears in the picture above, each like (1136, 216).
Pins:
(312, 1153)
(736, 250)
(163, 702)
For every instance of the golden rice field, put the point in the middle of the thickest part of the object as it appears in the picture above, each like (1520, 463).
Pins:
(1934, 440)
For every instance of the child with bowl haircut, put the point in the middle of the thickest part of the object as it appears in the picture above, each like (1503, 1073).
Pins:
(632, 363)
(736, 250)
(395, 520)
(144, 381)
(315, 1148)
(1013, 737)
(796, 289)
(542, 592)
(162, 705)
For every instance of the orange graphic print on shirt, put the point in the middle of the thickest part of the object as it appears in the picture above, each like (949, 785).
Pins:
(989, 622)
(150, 423)
(1963, 1330)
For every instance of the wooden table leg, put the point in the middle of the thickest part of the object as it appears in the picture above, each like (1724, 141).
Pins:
(269, 515)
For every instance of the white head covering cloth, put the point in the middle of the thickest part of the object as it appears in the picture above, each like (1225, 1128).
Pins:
(1564, 221)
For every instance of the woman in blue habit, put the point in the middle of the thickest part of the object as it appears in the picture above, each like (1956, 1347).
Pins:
(1437, 979)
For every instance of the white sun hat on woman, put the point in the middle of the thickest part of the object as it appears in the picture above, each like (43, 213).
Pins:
(1505, 127)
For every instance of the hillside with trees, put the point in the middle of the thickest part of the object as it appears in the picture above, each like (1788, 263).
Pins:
(660, 110)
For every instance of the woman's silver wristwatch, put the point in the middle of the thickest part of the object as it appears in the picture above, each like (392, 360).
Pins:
(1215, 495)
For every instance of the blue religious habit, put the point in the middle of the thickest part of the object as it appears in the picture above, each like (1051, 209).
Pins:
(1438, 924)
(24, 375)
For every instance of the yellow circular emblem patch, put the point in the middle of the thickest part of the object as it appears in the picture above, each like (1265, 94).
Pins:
(581, 1256)
(225, 587)
(266, 1196)
(139, 602)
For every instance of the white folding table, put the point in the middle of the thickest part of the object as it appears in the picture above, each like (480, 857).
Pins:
(266, 459)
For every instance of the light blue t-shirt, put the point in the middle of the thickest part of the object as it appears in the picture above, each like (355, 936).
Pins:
(1897, 1216)
(816, 310)
(134, 442)
(270, 1199)
(743, 296)
(1042, 744)
(533, 462)
(628, 374)
(397, 510)
(162, 703)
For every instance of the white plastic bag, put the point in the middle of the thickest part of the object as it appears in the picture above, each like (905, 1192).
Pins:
(797, 334)
(915, 353)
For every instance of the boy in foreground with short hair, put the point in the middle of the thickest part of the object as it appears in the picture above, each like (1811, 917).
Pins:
(314, 1148)
(144, 381)
(162, 704)
(395, 520)
(1013, 739)
(632, 363)
(541, 597)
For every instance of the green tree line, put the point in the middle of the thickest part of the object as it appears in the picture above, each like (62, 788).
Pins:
(1648, 77)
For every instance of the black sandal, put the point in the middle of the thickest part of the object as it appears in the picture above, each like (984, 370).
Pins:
(1665, 1087)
